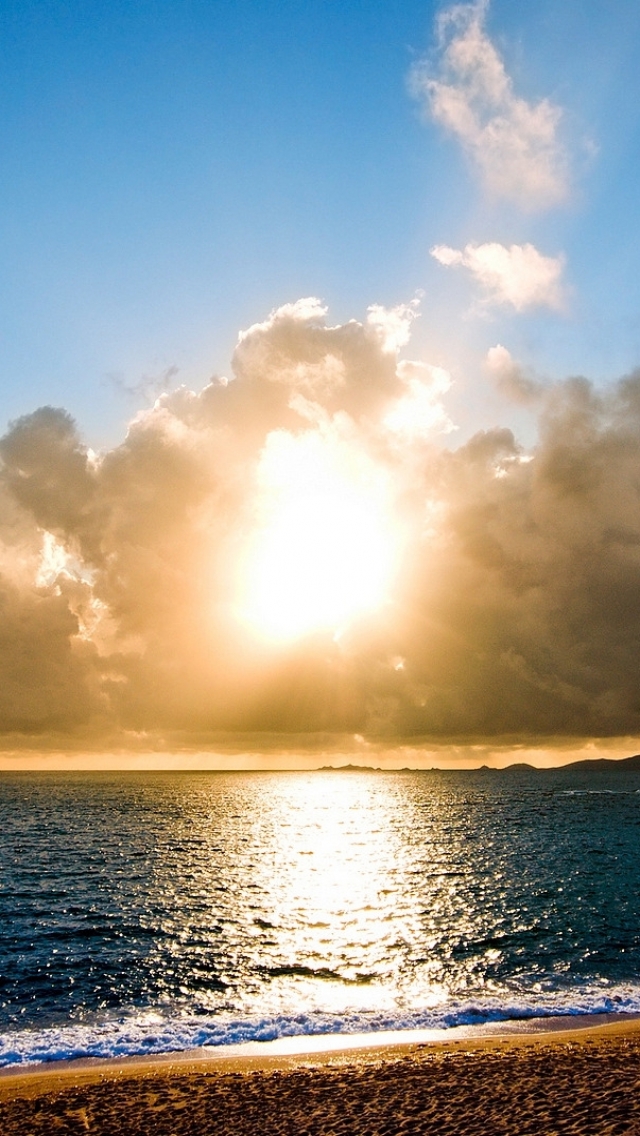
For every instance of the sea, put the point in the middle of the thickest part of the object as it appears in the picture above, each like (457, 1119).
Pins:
(143, 913)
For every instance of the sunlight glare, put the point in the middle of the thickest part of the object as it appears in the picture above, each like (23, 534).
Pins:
(324, 548)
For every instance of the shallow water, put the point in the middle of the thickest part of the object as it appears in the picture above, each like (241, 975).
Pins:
(144, 912)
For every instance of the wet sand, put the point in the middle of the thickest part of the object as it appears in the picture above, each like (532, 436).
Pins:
(580, 1081)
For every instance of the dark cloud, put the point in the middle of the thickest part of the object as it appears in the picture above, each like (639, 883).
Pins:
(46, 469)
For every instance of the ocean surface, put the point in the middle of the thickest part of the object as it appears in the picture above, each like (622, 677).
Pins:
(141, 913)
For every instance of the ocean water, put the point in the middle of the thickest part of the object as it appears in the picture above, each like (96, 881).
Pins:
(142, 913)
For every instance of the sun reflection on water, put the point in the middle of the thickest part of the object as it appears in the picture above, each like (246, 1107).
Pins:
(325, 893)
(235, 906)
(333, 931)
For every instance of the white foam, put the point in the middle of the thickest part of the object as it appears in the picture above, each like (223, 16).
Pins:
(152, 1031)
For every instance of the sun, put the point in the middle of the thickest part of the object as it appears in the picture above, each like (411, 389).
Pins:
(324, 546)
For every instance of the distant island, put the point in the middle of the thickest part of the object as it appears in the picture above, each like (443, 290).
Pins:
(588, 765)
(356, 769)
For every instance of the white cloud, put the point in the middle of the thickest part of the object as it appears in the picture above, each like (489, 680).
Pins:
(518, 275)
(393, 325)
(420, 412)
(513, 143)
(308, 310)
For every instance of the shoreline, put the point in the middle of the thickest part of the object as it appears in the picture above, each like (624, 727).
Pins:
(574, 1077)
(300, 1049)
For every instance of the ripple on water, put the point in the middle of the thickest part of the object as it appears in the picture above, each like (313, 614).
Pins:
(215, 899)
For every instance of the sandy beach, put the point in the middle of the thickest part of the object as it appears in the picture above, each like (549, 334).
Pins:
(577, 1081)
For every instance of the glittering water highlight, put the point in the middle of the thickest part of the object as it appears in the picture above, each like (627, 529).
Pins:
(150, 912)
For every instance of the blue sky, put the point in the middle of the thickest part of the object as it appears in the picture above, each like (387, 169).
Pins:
(171, 172)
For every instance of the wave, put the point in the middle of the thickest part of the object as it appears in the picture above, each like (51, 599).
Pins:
(155, 1031)
(596, 792)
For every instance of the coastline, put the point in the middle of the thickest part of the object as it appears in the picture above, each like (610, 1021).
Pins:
(300, 1081)
(287, 1052)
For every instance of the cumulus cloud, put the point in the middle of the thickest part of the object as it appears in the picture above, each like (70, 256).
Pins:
(531, 596)
(393, 324)
(120, 574)
(514, 144)
(510, 614)
(420, 410)
(518, 276)
(514, 381)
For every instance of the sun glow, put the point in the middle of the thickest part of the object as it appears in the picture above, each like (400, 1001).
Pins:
(324, 548)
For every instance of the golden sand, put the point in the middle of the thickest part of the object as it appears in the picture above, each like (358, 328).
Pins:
(582, 1082)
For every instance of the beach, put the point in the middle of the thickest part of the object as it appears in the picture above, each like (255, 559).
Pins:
(273, 954)
(543, 1082)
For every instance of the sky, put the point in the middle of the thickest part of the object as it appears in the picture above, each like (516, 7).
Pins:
(320, 409)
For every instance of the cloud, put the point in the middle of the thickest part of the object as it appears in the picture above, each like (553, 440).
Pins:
(122, 572)
(420, 410)
(549, 557)
(509, 612)
(519, 275)
(514, 144)
(148, 388)
(511, 379)
(393, 324)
